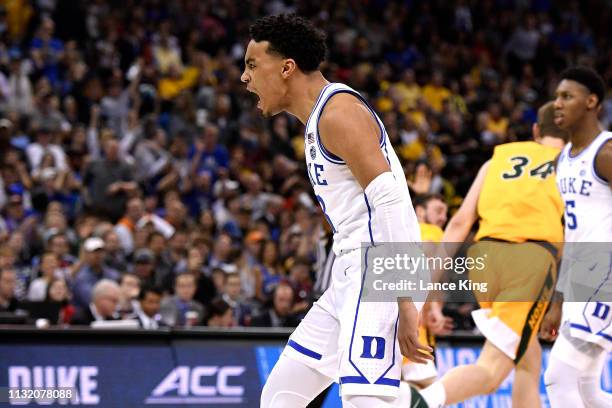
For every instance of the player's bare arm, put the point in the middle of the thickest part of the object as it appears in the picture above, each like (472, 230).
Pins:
(348, 130)
(603, 162)
(460, 225)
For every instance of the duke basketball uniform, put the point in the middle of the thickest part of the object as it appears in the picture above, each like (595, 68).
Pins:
(587, 258)
(351, 341)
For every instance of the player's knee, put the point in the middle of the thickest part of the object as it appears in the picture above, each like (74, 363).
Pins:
(493, 379)
(273, 397)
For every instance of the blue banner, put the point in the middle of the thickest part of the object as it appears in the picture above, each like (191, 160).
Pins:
(184, 373)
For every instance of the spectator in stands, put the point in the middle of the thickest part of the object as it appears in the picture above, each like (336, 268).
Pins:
(431, 211)
(126, 226)
(8, 301)
(205, 291)
(269, 272)
(300, 279)
(90, 269)
(144, 267)
(58, 292)
(129, 284)
(108, 182)
(105, 298)
(115, 256)
(149, 301)
(58, 244)
(280, 314)
(220, 314)
(44, 145)
(174, 309)
(232, 296)
(48, 271)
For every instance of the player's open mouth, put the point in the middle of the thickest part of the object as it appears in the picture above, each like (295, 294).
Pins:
(258, 97)
(558, 118)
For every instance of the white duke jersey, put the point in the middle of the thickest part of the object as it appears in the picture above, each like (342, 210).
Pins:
(340, 195)
(587, 198)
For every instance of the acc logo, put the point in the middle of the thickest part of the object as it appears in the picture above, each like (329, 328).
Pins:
(313, 152)
(199, 385)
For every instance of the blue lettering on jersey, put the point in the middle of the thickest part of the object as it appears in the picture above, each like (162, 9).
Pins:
(601, 311)
(317, 168)
(367, 347)
(567, 185)
(309, 176)
(584, 188)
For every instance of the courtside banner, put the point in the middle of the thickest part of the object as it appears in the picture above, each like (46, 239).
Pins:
(184, 373)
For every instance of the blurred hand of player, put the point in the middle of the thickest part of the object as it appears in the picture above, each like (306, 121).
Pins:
(549, 330)
(408, 334)
(436, 322)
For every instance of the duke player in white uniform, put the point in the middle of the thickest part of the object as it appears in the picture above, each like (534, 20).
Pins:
(362, 190)
(584, 178)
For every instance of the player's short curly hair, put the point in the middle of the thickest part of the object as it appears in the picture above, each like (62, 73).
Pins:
(589, 78)
(292, 37)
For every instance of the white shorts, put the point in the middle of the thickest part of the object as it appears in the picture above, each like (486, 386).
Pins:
(419, 372)
(590, 321)
(353, 342)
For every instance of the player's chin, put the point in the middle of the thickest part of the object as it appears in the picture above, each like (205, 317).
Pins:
(560, 122)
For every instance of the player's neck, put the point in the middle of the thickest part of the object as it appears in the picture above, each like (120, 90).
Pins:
(583, 134)
(307, 89)
(551, 141)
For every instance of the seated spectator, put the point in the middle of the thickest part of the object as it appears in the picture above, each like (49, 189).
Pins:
(130, 288)
(280, 314)
(205, 287)
(48, 271)
(301, 281)
(8, 279)
(220, 314)
(60, 246)
(115, 255)
(268, 272)
(149, 303)
(105, 298)
(90, 270)
(58, 292)
(232, 296)
(174, 309)
(144, 267)
(126, 226)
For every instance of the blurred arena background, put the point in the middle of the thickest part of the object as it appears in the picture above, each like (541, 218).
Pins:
(137, 174)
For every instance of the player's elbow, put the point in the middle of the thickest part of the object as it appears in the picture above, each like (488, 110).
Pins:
(459, 224)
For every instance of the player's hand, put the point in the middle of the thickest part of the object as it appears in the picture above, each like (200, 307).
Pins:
(408, 334)
(549, 330)
(436, 322)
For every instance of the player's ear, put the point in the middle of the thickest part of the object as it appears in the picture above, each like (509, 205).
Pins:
(535, 131)
(289, 66)
(592, 101)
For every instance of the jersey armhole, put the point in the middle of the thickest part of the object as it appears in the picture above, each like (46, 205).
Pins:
(326, 153)
(597, 176)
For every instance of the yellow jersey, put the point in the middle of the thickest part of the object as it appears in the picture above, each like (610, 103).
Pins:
(430, 232)
(519, 200)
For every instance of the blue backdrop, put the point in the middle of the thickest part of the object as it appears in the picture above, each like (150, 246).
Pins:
(183, 373)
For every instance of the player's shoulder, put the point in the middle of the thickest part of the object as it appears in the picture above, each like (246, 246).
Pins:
(343, 109)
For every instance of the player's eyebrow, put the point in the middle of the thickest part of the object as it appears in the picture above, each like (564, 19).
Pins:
(249, 60)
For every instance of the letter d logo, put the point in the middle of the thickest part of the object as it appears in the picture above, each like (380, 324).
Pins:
(367, 347)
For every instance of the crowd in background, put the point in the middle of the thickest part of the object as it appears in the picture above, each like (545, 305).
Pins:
(138, 179)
